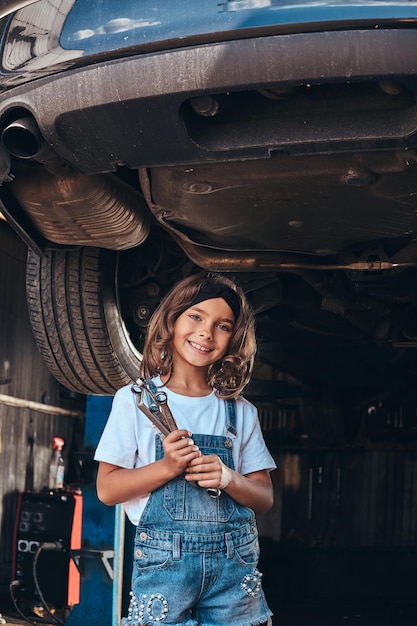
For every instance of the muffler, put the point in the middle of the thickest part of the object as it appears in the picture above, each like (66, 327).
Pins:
(68, 207)
(79, 210)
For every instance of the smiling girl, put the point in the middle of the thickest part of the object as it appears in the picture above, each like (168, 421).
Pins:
(195, 557)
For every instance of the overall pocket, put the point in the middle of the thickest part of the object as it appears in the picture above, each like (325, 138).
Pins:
(184, 501)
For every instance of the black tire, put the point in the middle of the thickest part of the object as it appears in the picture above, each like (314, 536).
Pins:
(76, 320)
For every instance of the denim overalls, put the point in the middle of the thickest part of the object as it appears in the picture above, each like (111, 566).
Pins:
(195, 557)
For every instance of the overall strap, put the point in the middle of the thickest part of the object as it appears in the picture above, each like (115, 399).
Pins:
(231, 417)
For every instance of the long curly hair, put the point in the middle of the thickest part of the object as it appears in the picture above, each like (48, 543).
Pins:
(230, 375)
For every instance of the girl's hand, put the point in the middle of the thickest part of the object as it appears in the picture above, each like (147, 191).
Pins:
(253, 490)
(179, 451)
(209, 472)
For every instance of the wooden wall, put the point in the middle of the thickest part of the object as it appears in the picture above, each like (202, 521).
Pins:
(25, 434)
(346, 498)
(344, 524)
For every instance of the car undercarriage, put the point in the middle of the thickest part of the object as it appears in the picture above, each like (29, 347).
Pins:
(282, 154)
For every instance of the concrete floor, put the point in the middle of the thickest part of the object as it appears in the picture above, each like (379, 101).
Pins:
(350, 615)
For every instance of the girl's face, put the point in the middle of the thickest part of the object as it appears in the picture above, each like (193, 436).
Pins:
(203, 332)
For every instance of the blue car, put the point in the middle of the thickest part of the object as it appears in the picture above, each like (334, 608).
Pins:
(272, 140)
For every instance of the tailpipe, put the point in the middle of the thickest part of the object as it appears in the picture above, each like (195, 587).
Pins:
(22, 138)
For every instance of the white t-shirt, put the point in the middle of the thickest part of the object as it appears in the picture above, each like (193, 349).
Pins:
(128, 439)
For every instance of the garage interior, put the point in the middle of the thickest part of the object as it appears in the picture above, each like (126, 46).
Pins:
(338, 547)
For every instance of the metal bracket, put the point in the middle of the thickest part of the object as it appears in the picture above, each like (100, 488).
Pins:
(104, 555)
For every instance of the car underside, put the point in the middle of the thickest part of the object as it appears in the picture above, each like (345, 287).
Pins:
(281, 153)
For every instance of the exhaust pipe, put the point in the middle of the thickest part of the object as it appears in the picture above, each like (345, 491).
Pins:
(68, 207)
(23, 138)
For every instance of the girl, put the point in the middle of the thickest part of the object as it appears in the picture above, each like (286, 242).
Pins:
(195, 557)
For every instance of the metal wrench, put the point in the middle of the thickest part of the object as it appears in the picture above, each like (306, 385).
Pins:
(159, 413)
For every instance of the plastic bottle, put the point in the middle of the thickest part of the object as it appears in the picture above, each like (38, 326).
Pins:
(57, 467)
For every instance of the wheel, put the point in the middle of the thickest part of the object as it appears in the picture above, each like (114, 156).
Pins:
(76, 320)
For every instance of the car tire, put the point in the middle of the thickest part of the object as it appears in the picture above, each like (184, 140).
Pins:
(76, 320)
